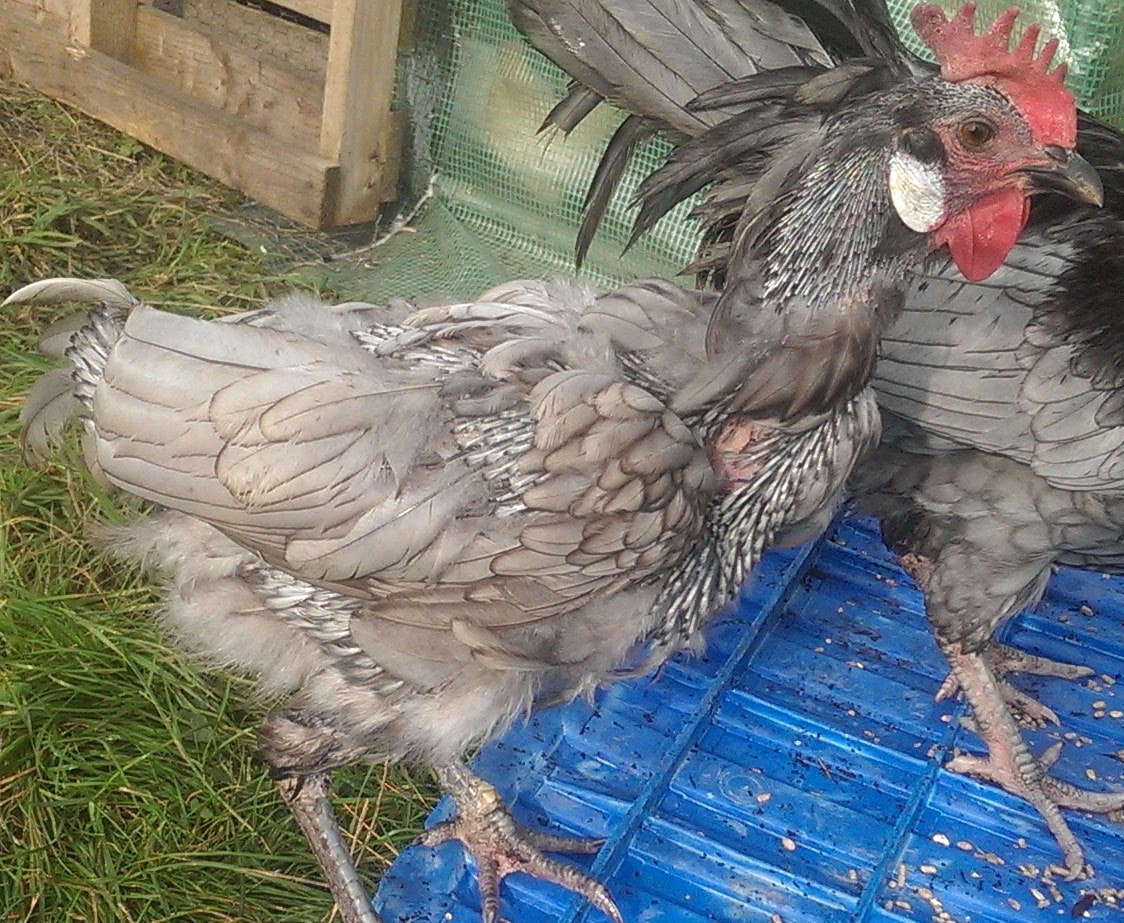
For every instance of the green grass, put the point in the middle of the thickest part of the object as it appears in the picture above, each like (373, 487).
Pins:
(129, 788)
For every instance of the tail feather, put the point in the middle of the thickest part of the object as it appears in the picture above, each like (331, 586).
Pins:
(632, 133)
(55, 340)
(107, 292)
(569, 111)
(82, 343)
(46, 414)
(654, 57)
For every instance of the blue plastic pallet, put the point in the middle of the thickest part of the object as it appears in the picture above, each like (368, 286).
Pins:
(793, 773)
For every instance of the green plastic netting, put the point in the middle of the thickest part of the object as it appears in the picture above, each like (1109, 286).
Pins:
(507, 200)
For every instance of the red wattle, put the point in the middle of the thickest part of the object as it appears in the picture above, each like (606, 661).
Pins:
(980, 238)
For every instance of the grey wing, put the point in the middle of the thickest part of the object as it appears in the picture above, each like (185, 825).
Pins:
(615, 489)
(313, 456)
(1073, 356)
(986, 366)
(352, 469)
(656, 327)
(950, 363)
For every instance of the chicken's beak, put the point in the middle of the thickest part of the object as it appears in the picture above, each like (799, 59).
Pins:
(1070, 174)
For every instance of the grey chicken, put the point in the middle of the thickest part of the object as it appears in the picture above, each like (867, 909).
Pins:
(1002, 446)
(421, 528)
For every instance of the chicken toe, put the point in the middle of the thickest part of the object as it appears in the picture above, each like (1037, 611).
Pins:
(1009, 762)
(501, 846)
(1005, 659)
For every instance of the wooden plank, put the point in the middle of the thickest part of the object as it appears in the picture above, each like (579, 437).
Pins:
(358, 128)
(283, 101)
(55, 13)
(297, 184)
(109, 26)
(320, 10)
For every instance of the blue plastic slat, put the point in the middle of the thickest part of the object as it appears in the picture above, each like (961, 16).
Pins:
(793, 773)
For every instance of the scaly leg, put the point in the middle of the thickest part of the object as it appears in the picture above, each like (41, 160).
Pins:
(1004, 659)
(501, 846)
(307, 797)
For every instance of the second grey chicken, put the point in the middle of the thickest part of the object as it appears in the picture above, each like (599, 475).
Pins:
(1002, 397)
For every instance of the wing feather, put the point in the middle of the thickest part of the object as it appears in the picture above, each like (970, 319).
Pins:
(362, 468)
(992, 366)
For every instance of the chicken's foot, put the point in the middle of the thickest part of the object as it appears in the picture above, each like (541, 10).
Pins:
(1004, 659)
(501, 846)
(1009, 762)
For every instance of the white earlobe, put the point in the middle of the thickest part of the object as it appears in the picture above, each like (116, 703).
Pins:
(917, 192)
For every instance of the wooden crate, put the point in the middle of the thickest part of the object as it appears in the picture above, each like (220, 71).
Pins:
(288, 101)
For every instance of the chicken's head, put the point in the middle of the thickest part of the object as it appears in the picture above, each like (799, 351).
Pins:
(995, 128)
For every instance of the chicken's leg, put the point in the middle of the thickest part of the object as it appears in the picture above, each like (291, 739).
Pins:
(1009, 762)
(307, 797)
(965, 602)
(1004, 659)
(501, 846)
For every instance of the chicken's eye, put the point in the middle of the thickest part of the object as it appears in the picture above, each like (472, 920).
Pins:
(976, 134)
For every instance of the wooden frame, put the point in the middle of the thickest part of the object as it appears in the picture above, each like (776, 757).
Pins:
(322, 150)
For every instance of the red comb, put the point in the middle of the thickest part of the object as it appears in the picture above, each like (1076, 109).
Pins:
(1039, 94)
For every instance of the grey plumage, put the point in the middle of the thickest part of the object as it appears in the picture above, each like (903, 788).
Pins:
(420, 527)
(419, 524)
(621, 54)
(656, 59)
(1004, 454)
(1003, 447)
